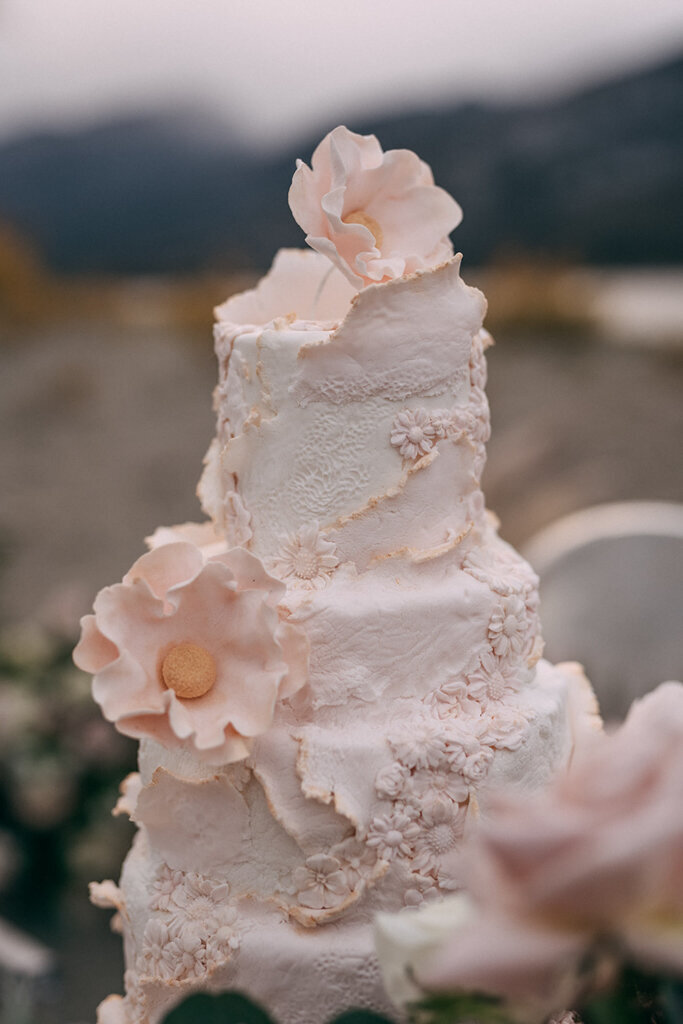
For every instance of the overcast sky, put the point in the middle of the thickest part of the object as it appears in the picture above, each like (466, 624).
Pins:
(275, 67)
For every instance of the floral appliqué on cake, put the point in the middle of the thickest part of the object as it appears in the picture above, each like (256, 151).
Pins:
(508, 628)
(191, 651)
(321, 884)
(393, 835)
(330, 880)
(439, 761)
(308, 558)
(443, 824)
(377, 216)
(414, 433)
(492, 680)
(193, 929)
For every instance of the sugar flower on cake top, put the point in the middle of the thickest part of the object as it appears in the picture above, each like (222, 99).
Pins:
(376, 215)
(190, 650)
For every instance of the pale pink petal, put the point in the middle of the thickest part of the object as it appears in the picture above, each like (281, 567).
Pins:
(352, 183)
(203, 535)
(250, 573)
(93, 651)
(166, 567)
(295, 651)
(226, 605)
(123, 688)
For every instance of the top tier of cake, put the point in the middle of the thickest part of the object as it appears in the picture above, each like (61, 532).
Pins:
(359, 413)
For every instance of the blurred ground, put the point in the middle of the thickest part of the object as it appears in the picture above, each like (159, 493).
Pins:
(103, 433)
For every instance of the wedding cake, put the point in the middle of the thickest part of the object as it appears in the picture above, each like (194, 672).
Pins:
(329, 675)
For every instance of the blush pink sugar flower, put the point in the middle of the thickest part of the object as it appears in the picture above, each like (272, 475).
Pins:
(189, 649)
(376, 215)
(597, 857)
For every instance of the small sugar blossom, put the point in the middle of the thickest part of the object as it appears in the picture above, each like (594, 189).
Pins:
(413, 433)
(166, 882)
(440, 420)
(463, 743)
(423, 746)
(187, 952)
(443, 824)
(377, 216)
(393, 835)
(321, 884)
(156, 958)
(476, 766)
(200, 900)
(391, 780)
(308, 558)
(423, 890)
(429, 784)
(453, 699)
(358, 861)
(504, 727)
(508, 627)
(491, 680)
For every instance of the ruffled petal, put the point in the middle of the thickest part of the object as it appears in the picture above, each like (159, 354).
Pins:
(377, 216)
(166, 567)
(93, 651)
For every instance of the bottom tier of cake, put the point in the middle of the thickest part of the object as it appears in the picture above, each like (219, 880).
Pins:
(297, 975)
(229, 886)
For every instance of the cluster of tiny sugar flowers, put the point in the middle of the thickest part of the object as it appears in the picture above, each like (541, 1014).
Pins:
(414, 432)
(443, 757)
(428, 784)
(192, 927)
(513, 628)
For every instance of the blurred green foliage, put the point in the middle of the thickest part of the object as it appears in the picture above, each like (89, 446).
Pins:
(231, 1008)
(60, 767)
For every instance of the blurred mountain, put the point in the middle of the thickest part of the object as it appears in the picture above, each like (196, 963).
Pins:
(592, 177)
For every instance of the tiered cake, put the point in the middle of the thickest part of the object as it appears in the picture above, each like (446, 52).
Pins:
(328, 676)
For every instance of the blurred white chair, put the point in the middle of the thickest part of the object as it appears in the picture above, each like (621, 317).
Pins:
(25, 966)
(612, 596)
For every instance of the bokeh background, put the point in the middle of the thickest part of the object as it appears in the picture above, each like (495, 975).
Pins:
(145, 154)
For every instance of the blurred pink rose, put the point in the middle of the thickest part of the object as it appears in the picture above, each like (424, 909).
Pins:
(376, 215)
(594, 861)
(190, 650)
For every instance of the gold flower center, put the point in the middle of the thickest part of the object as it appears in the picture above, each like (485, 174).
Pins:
(189, 670)
(360, 217)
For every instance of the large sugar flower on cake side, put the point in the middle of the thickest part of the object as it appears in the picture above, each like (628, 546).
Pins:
(191, 651)
(377, 216)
